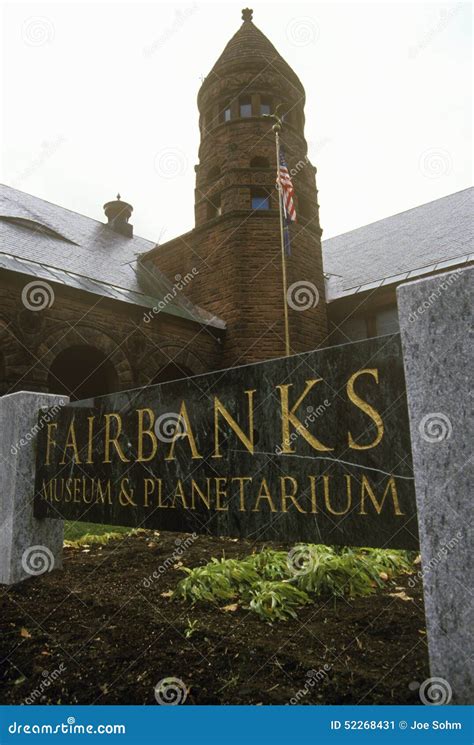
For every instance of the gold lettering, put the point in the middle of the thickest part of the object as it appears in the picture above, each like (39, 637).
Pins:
(183, 430)
(391, 486)
(327, 499)
(366, 408)
(219, 408)
(179, 493)
(71, 443)
(292, 497)
(314, 507)
(264, 493)
(149, 488)
(146, 432)
(102, 494)
(205, 498)
(220, 493)
(241, 480)
(288, 417)
(50, 442)
(90, 438)
(109, 440)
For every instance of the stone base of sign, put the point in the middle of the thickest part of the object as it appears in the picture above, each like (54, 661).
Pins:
(435, 323)
(28, 546)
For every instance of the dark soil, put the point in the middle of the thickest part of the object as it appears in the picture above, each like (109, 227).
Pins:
(111, 640)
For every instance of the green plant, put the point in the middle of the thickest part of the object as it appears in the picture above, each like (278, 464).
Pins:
(190, 628)
(274, 584)
(273, 600)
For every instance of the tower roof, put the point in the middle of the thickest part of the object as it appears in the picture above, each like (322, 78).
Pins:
(249, 44)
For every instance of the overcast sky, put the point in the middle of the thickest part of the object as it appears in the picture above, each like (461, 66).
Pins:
(101, 98)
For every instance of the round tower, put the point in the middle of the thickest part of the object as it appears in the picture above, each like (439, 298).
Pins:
(236, 245)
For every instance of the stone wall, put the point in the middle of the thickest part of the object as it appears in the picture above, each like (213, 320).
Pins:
(31, 340)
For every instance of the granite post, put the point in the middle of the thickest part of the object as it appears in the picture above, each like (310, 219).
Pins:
(28, 546)
(435, 325)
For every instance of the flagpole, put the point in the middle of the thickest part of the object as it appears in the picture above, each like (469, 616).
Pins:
(276, 129)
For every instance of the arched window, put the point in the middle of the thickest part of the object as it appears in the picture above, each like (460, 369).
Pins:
(259, 199)
(245, 106)
(171, 371)
(259, 162)
(214, 207)
(265, 105)
(82, 371)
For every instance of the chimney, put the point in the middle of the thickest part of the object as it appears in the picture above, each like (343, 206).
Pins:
(118, 214)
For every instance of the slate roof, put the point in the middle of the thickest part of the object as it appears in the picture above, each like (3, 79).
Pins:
(60, 246)
(434, 236)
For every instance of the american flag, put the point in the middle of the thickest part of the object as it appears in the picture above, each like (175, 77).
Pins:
(285, 186)
(285, 183)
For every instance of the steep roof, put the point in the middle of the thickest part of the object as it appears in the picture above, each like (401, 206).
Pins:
(48, 241)
(422, 240)
(249, 43)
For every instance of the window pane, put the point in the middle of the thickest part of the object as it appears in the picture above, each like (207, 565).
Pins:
(227, 114)
(265, 108)
(260, 203)
(245, 107)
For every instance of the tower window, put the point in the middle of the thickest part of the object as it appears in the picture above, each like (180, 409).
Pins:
(259, 162)
(265, 105)
(214, 207)
(225, 115)
(245, 106)
(260, 199)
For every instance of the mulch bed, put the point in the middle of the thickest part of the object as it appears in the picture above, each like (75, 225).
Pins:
(112, 639)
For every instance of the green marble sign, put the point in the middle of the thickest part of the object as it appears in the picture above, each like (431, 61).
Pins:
(313, 447)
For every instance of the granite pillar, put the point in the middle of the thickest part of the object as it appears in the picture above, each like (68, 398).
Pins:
(435, 325)
(28, 546)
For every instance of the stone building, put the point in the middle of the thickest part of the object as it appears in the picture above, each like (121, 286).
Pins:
(87, 307)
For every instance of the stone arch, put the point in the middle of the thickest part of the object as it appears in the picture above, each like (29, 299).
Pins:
(63, 339)
(171, 356)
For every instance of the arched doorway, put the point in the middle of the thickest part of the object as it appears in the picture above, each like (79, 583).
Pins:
(82, 371)
(171, 372)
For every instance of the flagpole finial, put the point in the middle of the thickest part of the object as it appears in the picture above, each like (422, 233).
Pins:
(247, 14)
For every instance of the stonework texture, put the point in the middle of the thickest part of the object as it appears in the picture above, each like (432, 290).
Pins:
(236, 248)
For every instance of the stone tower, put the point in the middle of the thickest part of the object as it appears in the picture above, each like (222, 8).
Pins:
(234, 250)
